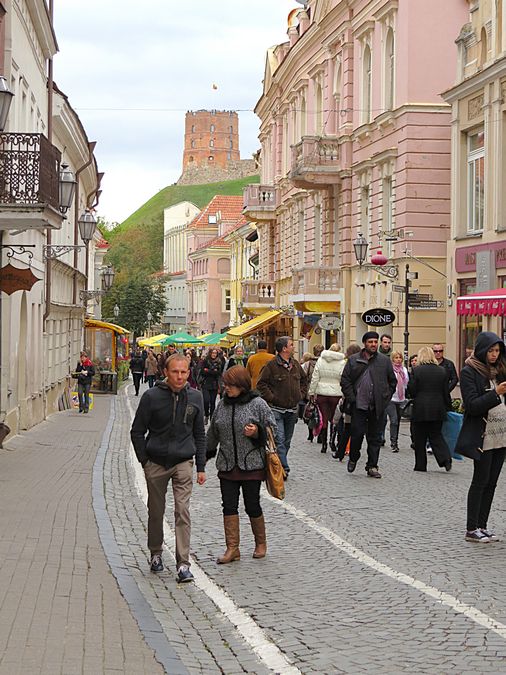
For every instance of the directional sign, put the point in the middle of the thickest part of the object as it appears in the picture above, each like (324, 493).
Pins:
(419, 296)
(399, 289)
(424, 304)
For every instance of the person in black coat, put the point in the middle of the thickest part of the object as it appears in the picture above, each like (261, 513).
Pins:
(428, 387)
(368, 383)
(483, 433)
(209, 377)
(85, 372)
(137, 368)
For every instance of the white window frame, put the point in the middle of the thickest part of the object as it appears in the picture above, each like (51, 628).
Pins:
(366, 83)
(475, 158)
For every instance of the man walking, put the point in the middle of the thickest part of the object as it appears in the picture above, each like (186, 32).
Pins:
(282, 384)
(167, 432)
(368, 383)
(385, 346)
(448, 365)
(257, 361)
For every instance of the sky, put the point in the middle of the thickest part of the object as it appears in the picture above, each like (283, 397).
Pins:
(132, 69)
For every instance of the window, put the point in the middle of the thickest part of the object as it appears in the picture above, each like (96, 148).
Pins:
(389, 70)
(231, 143)
(476, 181)
(319, 110)
(318, 235)
(498, 26)
(302, 238)
(211, 143)
(212, 128)
(227, 300)
(302, 116)
(365, 212)
(337, 90)
(484, 46)
(387, 204)
(366, 84)
(192, 144)
(193, 128)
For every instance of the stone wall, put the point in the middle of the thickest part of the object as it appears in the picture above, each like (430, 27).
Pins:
(198, 175)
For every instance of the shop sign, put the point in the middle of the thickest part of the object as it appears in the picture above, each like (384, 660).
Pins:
(15, 279)
(465, 257)
(330, 323)
(378, 317)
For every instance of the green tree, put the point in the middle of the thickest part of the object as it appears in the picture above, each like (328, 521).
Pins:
(136, 297)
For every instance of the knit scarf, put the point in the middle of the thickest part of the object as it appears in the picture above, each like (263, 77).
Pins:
(402, 380)
(490, 372)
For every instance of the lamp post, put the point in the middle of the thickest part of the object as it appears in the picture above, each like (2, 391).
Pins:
(378, 260)
(149, 317)
(87, 225)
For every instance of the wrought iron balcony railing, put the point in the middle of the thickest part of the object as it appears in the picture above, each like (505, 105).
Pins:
(29, 170)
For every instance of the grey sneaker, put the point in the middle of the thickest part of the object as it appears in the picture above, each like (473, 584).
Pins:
(477, 536)
(373, 472)
(184, 574)
(156, 563)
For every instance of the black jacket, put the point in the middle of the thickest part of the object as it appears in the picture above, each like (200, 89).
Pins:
(235, 361)
(85, 379)
(478, 398)
(449, 367)
(428, 387)
(382, 375)
(168, 427)
(210, 373)
(137, 364)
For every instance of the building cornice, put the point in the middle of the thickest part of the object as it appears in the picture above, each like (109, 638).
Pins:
(476, 81)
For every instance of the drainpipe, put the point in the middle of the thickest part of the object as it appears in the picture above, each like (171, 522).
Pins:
(47, 308)
(91, 148)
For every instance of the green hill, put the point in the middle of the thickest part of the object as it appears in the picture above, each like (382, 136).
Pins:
(136, 244)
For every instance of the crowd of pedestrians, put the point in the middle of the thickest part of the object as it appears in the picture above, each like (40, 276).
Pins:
(358, 393)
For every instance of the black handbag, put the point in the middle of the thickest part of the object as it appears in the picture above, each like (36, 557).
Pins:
(406, 408)
(470, 439)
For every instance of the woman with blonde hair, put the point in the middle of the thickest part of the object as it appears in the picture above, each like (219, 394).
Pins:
(325, 386)
(428, 387)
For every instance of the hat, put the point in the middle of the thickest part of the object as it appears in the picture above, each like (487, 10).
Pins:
(370, 335)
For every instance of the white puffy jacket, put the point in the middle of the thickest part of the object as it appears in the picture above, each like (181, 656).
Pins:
(327, 374)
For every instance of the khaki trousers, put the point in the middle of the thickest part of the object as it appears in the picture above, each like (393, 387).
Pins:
(157, 480)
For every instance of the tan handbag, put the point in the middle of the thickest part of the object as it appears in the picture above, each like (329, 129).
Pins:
(275, 474)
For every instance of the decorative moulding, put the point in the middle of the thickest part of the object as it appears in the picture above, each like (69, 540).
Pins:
(388, 8)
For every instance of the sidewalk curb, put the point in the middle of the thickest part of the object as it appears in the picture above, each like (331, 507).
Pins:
(148, 624)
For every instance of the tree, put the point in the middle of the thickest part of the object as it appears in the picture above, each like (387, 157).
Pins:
(135, 297)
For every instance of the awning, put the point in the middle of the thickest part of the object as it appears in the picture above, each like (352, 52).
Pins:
(318, 306)
(95, 323)
(254, 324)
(151, 341)
(486, 303)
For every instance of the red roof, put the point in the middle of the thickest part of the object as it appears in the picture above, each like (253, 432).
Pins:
(230, 209)
(102, 243)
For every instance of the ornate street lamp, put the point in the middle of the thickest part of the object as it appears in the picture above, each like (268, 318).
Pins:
(6, 96)
(360, 246)
(87, 224)
(67, 188)
(108, 277)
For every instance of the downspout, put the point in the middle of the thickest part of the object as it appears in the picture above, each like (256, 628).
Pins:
(91, 148)
(47, 308)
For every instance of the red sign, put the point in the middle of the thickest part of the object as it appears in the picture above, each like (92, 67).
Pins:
(14, 279)
(465, 258)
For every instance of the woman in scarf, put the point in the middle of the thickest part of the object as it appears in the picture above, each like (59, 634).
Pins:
(238, 427)
(428, 387)
(483, 434)
(393, 411)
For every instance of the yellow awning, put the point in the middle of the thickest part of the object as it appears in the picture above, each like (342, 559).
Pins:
(151, 341)
(318, 307)
(253, 324)
(95, 323)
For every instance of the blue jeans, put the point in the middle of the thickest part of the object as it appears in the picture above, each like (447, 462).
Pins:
(285, 425)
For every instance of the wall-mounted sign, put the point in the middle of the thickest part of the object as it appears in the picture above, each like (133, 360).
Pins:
(330, 323)
(15, 279)
(378, 317)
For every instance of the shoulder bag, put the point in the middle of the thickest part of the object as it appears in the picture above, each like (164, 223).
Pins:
(406, 408)
(275, 474)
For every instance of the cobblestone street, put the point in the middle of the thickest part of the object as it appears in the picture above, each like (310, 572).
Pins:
(361, 575)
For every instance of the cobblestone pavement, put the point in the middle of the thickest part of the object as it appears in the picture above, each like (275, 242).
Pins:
(362, 575)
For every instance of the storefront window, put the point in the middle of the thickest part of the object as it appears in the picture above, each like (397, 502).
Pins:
(470, 326)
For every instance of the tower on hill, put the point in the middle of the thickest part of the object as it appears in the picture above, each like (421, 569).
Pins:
(211, 148)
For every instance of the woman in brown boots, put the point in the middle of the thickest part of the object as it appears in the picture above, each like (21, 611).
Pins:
(238, 428)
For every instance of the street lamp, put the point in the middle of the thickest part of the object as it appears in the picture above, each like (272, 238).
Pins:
(6, 97)
(378, 260)
(149, 317)
(67, 188)
(116, 311)
(87, 224)
(360, 246)
(108, 277)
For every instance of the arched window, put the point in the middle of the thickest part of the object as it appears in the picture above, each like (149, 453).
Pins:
(193, 128)
(192, 143)
(302, 116)
(390, 70)
(212, 128)
(337, 89)
(231, 143)
(319, 110)
(366, 84)
(211, 143)
(484, 46)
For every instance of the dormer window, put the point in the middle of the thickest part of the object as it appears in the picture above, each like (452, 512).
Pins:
(211, 219)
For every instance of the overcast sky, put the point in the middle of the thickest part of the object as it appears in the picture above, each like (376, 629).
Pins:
(159, 54)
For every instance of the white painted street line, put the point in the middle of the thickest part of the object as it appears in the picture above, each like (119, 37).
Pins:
(266, 650)
(439, 596)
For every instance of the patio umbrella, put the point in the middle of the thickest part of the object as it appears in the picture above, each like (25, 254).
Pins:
(212, 339)
(180, 338)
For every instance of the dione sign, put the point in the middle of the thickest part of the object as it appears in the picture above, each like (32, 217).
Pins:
(378, 317)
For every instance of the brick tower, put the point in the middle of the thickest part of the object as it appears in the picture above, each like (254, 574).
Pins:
(211, 139)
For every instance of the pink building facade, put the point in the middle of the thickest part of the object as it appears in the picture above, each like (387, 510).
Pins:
(356, 139)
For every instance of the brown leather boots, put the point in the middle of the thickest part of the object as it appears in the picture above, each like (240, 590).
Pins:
(231, 524)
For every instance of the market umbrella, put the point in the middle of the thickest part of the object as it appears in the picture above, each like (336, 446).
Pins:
(212, 339)
(180, 338)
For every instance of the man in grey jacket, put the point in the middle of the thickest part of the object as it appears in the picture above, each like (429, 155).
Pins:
(368, 383)
(167, 433)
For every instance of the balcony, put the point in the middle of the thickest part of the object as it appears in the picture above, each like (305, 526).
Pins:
(316, 281)
(256, 293)
(260, 202)
(315, 161)
(29, 187)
